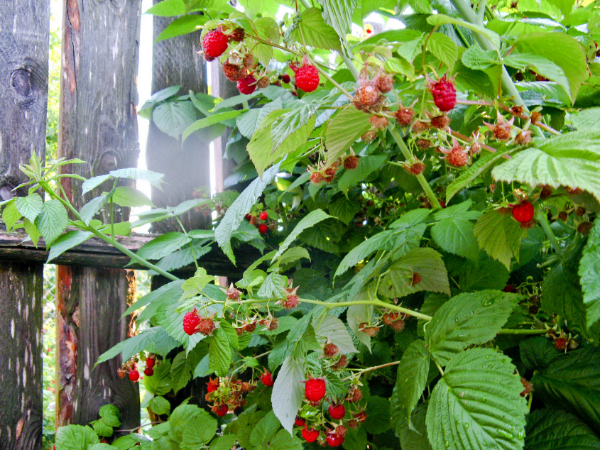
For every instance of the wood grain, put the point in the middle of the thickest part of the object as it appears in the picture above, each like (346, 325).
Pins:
(24, 50)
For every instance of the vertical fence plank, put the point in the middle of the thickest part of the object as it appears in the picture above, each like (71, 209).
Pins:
(24, 47)
(98, 124)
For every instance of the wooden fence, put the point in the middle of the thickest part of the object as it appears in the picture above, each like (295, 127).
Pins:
(98, 124)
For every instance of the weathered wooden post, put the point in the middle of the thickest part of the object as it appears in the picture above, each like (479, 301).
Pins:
(24, 47)
(98, 125)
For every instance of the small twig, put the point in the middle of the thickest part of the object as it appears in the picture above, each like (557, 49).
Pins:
(370, 369)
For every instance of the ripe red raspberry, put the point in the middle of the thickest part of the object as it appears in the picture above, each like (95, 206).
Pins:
(214, 43)
(220, 410)
(246, 85)
(378, 122)
(299, 422)
(351, 162)
(212, 385)
(307, 78)
(150, 362)
(191, 320)
(385, 83)
(248, 217)
(285, 78)
(335, 440)
(262, 228)
(134, 375)
(415, 168)
(330, 349)
(444, 93)
(267, 378)
(314, 389)
(337, 412)
(264, 215)
(263, 83)
(148, 371)
(232, 72)
(404, 116)
(206, 326)
(523, 212)
(367, 94)
(233, 293)
(237, 35)
(316, 177)
(559, 344)
(310, 435)
(354, 395)
(369, 136)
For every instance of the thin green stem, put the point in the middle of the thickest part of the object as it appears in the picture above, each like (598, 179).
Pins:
(516, 331)
(332, 81)
(353, 70)
(543, 220)
(370, 369)
(440, 368)
(306, 4)
(190, 243)
(420, 178)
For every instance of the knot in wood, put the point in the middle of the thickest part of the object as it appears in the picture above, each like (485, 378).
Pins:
(21, 82)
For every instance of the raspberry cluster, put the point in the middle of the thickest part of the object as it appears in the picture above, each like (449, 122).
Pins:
(227, 394)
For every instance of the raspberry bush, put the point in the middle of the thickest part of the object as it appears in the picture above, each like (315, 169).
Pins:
(424, 201)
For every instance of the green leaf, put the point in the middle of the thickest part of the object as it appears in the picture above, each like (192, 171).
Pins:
(102, 429)
(288, 392)
(442, 19)
(378, 415)
(160, 382)
(366, 166)
(10, 215)
(155, 179)
(199, 431)
(226, 442)
(273, 286)
(29, 206)
(443, 48)
(219, 353)
(499, 235)
(568, 381)
(159, 405)
(32, 231)
(128, 196)
(415, 437)
(563, 50)
(331, 329)
(540, 65)
(292, 255)
(237, 211)
(411, 380)
(476, 58)
(481, 275)
(343, 130)
(289, 123)
(91, 208)
(344, 209)
(75, 437)
(163, 245)
(210, 120)
(284, 441)
(477, 404)
(589, 271)
(111, 415)
(553, 429)
(52, 221)
(324, 235)
(264, 430)
(313, 31)
(308, 221)
(468, 319)
(67, 241)
(167, 8)
(173, 118)
(358, 314)
(94, 182)
(338, 14)
(586, 118)
(425, 262)
(183, 25)
(455, 235)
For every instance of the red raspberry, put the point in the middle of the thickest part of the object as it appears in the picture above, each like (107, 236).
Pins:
(286, 78)
(509, 288)
(150, 362)
(191, 320)
(267, 378)
(351, 162)
(404, 116)
(415, 168)
(212, 385)
(316, 177)
(237, 35)
(314, 389)
(299, 422)
(379, 122)
(416, 279)
(385, 83)
(307, 78)
(523, 212)
(367, 94)
(264, 215)
(310, 435)
(330, 349)
(148, 371)
(335, 440)
(262, 228)
(444, 93)
(233, 293)
(134, 375)
(337, 412)
(214, 43)
(248, 217)
(232, 72)
(206, 326)
(246, 85)
(559, 344)
(220, 410)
